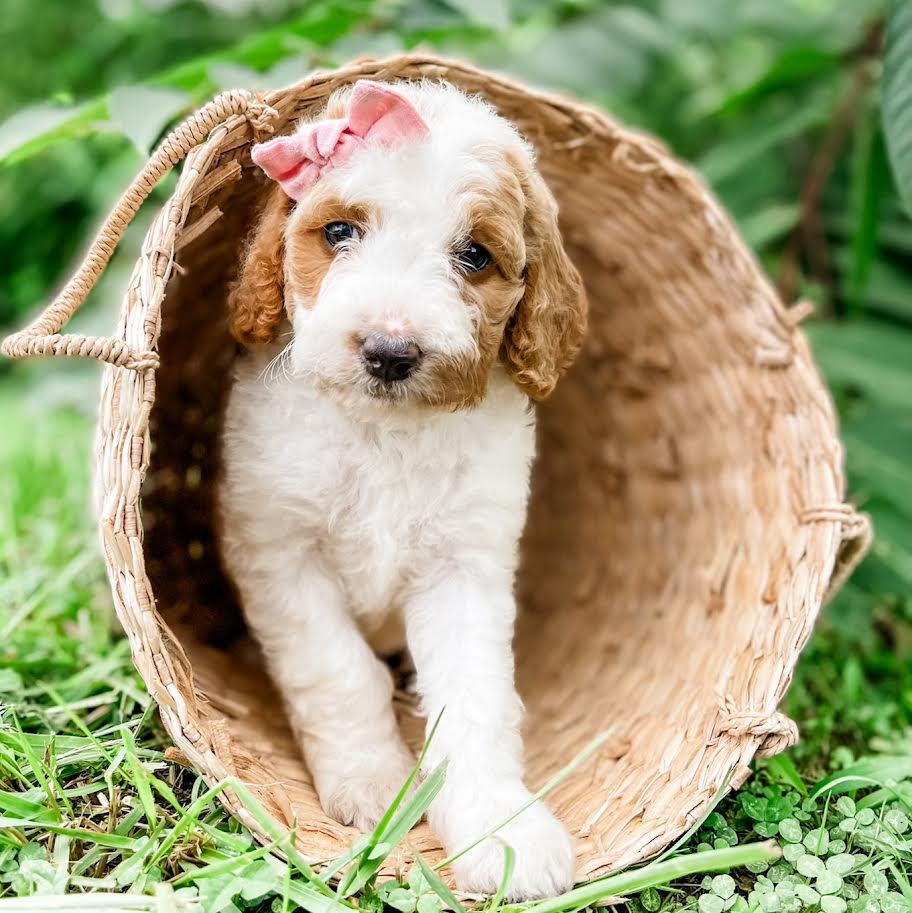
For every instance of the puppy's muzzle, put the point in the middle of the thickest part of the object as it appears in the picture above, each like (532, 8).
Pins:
(389, 359)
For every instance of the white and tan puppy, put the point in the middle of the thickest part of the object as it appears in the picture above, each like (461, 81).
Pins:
(404, 295)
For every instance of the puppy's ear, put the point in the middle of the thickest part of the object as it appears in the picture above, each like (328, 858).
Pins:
(547, 328)
(256, 300)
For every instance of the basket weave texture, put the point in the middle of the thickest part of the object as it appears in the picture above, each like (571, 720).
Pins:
(687, 518)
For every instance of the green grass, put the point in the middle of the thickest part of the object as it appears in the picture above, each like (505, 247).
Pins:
(759, 94)
(93, 816)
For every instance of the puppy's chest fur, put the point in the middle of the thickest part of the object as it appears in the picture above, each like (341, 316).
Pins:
(381, 504)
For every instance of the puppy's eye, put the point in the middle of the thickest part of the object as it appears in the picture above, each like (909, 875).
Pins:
(338, 232)
(472, 257)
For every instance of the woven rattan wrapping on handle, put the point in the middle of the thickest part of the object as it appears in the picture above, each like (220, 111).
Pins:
(41, 337)
(687, 516)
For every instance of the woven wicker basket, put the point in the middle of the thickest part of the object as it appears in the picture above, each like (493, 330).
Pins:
(687, 517)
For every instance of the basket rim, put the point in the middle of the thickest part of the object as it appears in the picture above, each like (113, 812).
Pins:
(154, 648)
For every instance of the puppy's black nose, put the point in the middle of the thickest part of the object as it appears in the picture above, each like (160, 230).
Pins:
(388, 358)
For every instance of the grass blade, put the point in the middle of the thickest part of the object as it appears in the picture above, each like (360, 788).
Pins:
(553, 783)
(439, 887)
(721, 793)
(509, 863)
(115, 841)
(867, 772)
(140, 777)
(656, 874)
(268, 824)
(782, 768)
(32, 812)
(409, 815)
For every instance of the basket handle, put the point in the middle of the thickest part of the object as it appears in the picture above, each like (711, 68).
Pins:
(42, 336)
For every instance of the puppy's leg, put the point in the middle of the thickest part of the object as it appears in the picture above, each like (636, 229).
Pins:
(460, 629)
(337, 692)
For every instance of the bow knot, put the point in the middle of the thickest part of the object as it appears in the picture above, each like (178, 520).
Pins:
(376, 113)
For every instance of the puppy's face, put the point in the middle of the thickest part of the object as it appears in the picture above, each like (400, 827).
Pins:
(410, 272)
(402, 273)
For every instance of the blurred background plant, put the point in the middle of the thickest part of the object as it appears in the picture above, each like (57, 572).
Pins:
(777, 101)
(797, 112)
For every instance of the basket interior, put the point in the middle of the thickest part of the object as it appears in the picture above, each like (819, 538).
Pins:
(669, 577)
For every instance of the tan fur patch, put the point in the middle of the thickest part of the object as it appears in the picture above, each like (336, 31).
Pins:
(462, 383)
(549, 324)
(256, 300)
(279, 267)
(530, 303)
(309, 255)
(496, 220)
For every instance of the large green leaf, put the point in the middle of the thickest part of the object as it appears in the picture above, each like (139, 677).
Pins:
(867, 365)
(866, 772)
(769, 224)
(736, 157)
(492, 13)
(322, 23)
(870, 181)
(889, 568)
(894, 231)
(27, 124)
(878, 459)
(792, 67)
(887, 287)
(142, 112)
(869, 356)
(897, 101)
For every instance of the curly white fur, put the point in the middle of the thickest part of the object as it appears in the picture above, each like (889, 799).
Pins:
(352, 521)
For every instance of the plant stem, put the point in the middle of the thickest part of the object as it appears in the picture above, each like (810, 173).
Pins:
(658, 873)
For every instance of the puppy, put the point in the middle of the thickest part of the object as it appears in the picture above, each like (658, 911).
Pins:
(403, 297)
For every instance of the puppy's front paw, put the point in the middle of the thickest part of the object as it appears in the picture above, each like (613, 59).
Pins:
(545, 860)
(359, 793)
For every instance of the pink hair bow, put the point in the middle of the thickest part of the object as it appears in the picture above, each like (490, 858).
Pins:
(376, 113)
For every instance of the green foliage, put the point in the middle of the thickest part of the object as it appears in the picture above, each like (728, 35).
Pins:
(88, 801)
(783, 106)
(78, 738)
(897, 110)
(837, 855)
(778, 103)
